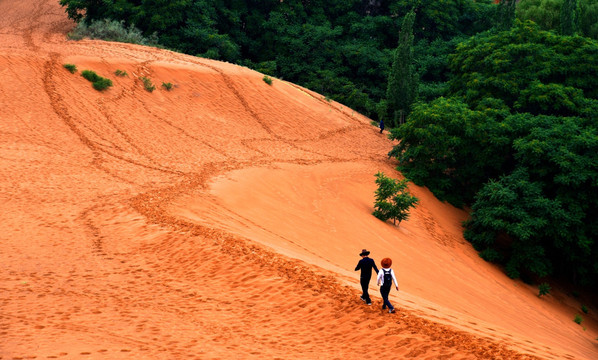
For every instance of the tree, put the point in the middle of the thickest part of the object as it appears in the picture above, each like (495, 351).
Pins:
(392, 199)
(87, 10)
(402, 80)
(505, 14)
(506, 64)
(547, 14)
(517, 138)
(451, 148)
(569, 17)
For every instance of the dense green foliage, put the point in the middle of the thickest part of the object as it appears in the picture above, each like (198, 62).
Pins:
(392, 199)
(547, 14)
(340, 48)
(517, 139)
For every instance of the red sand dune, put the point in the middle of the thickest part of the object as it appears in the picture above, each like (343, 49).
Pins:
(223, 219)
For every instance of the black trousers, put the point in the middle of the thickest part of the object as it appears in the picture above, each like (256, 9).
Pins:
(384, 291)
(365, 284)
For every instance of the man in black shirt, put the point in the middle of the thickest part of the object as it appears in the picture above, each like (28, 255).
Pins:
(365, 265)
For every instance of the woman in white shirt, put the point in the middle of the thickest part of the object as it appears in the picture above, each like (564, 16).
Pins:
(386, 276)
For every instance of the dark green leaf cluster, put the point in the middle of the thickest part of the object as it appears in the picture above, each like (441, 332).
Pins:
(582, 18)
(392, 199)
(517, 138)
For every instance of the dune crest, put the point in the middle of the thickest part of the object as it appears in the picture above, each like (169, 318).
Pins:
(222, 219)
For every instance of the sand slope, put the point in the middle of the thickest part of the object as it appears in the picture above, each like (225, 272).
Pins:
(223, 219)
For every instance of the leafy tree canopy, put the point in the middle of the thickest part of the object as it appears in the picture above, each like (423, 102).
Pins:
(517, 138)
(547, 14)
(392, 199)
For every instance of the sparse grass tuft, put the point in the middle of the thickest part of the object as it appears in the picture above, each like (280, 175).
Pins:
(99, 83)
(167, 86)
(71, 67)
(120, 73)
(578, 319)
(267, 79)
(584, 309)
(147, 84)
(544, 289)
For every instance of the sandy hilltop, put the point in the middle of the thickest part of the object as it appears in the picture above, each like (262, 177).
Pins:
(223, 220)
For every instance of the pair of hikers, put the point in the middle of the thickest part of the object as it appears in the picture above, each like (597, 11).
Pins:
(386, 276)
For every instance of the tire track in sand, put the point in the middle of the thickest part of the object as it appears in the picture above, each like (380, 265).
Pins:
(61, 110)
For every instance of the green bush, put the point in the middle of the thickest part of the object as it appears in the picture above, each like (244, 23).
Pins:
(168, 86)
(544, 289)
(90, 75)
(111, 30)
(120, 73)
(392, 199)
(147, 84)
(267, 79)
(99, 83)
(71, 67)
(584, 309)
(102, 84)
(578, 319)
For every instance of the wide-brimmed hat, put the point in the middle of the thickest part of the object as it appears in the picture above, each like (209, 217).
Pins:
(386, 263)
(364, 252)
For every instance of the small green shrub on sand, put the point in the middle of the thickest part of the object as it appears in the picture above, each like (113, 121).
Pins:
(99, 83)
(267, 79)
(147, 84)
(167, 86)
(71, 67)
(584, 309)
(90, 75)
(102, 84)
(578, 319)
(543, 289)
(120, 73)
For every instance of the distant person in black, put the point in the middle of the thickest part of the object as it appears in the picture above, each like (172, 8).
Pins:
(365, 265)
(381, 126)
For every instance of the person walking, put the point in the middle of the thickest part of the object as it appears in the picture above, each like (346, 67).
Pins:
(381, 126)
(386, 276)
(366, 265)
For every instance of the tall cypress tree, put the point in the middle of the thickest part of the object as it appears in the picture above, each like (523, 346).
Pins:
(505, 14)
(402, 80)
(569, 17)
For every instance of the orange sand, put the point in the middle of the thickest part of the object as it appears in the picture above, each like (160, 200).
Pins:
(223, 220)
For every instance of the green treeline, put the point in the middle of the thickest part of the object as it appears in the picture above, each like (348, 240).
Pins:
(517, 138)
(506, 110)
